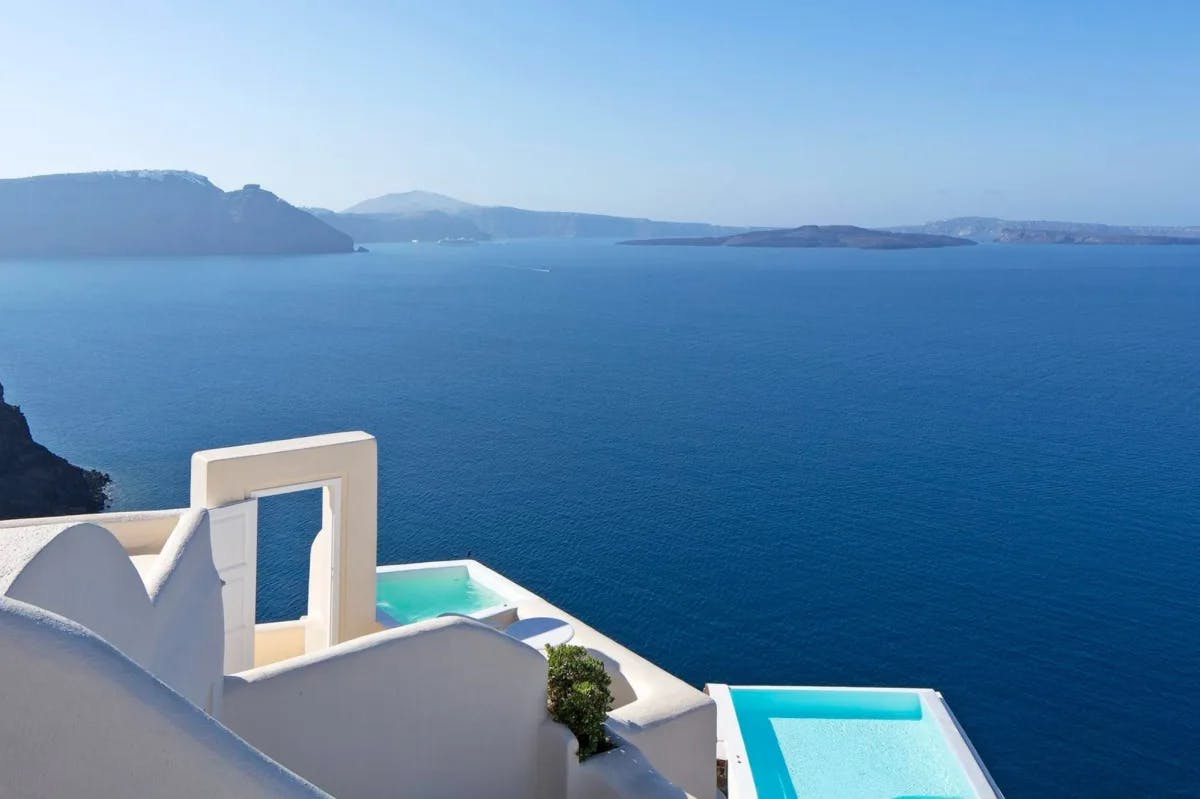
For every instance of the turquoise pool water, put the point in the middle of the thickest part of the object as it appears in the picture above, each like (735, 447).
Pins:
(817, 744)
(408, 596)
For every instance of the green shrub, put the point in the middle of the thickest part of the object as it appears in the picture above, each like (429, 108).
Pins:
(578, 696)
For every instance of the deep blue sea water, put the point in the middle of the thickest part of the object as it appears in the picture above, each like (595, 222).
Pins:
(974, 469)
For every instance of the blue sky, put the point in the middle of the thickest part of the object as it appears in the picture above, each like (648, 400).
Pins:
(751, 113)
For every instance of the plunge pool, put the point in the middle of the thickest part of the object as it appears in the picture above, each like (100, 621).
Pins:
(845, 743)
(411, 593)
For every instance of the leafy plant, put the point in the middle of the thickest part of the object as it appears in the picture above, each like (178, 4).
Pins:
(578, 695)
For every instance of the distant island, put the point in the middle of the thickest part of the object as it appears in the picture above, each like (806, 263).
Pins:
(1020, 236)
(1031, 231)
(426, 216)
(153, 212)
(816, 236)
(36, 482)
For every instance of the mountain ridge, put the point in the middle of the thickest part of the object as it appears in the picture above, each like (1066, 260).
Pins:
(425, 215)
(405, 202)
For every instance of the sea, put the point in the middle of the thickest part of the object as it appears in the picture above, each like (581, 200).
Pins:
(973, 469)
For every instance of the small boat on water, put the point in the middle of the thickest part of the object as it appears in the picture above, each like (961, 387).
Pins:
(458, 242)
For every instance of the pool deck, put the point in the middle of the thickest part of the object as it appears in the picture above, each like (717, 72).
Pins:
(731, 747)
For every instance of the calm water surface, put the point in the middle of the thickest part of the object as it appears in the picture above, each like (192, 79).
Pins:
(972, 469)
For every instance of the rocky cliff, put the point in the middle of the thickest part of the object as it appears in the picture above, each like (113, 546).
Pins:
(36, 482)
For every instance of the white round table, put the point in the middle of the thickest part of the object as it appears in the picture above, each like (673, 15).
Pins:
(541, 631)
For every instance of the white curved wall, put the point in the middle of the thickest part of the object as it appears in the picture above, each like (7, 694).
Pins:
(187, 647)
(80, 572)
(81, 719)
(171, 624)
(445, 708)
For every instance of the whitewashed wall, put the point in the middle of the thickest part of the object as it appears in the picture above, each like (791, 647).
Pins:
(621, 773)
(445, 708)
(171, 622)
(81, 719)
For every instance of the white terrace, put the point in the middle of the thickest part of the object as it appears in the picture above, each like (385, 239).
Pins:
(131, 663)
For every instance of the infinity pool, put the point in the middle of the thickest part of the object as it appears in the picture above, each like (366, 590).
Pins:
(408, 595)
(852, 744)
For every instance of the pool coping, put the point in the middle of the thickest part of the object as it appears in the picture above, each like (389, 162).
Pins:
(731, 747)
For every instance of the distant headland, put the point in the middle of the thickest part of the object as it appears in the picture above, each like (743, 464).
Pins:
(1025, 236)
(153, 212)
(817, 236)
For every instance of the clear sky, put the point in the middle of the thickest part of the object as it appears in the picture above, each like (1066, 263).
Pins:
(749, 113)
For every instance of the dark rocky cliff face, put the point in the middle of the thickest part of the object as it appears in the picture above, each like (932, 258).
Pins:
(152, 213)
(36, 482)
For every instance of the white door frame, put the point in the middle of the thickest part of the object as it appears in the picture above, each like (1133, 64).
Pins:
(331, 500)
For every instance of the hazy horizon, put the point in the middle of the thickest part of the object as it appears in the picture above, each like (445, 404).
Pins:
(773, 116)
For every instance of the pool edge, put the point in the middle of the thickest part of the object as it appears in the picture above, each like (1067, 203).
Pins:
(981, 779)
(511, 593)
(731, 747)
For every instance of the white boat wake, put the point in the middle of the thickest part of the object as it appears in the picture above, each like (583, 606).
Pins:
(526, 268)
